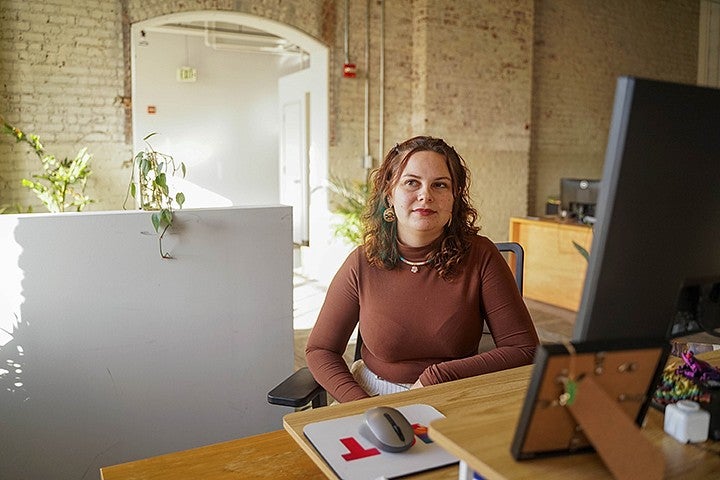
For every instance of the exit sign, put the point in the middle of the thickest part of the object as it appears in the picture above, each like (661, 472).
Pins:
(187, 74)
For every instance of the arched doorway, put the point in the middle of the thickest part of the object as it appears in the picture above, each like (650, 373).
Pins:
(243, 101)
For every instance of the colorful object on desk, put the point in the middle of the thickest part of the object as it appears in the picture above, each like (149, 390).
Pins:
(421, 431)
(699, 370)
(691, 380)
(568, 396)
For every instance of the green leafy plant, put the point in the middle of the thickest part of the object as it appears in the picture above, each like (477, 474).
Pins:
(583, 251)
(61, 186)
(149, 187)
(17, 208)
(353, 198)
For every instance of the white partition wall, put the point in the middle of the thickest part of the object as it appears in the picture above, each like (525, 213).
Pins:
(109, 353)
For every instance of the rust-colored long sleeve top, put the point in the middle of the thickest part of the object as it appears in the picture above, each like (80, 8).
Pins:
(418, 325)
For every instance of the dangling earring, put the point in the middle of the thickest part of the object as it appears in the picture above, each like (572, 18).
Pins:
(389, 215)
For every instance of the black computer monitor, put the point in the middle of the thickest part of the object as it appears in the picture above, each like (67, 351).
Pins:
(654, 267)
(578, 198)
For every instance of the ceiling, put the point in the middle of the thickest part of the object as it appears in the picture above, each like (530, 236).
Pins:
(231, 36)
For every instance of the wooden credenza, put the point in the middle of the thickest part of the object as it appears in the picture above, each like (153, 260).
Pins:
(554, 268)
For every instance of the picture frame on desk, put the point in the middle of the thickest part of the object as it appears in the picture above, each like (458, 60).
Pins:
(627, 371)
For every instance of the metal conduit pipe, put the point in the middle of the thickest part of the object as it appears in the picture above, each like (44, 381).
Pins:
(347, 28)
(367, 159)
(381, 93)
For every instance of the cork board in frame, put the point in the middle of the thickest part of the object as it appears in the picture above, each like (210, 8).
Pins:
(627, 371)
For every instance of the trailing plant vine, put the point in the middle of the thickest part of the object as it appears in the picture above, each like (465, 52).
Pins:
(61, 186)
(149, 187)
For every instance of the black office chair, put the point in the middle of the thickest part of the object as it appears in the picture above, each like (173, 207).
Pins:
(300, 388)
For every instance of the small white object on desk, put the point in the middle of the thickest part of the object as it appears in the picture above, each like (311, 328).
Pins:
(686, 422)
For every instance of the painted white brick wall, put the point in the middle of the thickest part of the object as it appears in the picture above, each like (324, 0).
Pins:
(62, 71)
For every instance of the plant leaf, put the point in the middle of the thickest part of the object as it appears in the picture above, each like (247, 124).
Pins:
(582, 250)
(155, 218)
(161, 180)
(144, 166)
(166, 217)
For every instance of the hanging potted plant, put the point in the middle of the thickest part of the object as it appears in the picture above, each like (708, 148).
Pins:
(151, 191)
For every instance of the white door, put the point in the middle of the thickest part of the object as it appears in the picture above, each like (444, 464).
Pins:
(294, 158)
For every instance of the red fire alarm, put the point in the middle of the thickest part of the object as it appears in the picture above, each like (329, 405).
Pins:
(349, 70)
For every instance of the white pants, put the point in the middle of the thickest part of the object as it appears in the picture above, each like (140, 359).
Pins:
(373, 384)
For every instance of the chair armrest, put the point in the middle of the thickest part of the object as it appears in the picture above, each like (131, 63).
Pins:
(298, 390)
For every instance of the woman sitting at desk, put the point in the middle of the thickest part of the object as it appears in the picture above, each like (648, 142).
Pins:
(422, 285)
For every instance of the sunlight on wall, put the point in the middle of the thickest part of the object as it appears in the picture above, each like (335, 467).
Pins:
(197, 196)
(191, 152)
(11, 300)
(194, 154)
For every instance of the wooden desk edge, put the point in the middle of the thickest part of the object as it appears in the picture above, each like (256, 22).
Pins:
(310, 450)
(223, 461)
(549, 221)
(463, 455)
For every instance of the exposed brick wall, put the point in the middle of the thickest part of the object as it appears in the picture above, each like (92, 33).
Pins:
(62, 71)
(522, 88)
(581, 47)
(347, 110)
(477, 96)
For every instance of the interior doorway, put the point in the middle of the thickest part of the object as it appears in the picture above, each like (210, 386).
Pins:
(243, 102)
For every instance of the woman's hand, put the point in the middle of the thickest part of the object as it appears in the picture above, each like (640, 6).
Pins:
(417, 384)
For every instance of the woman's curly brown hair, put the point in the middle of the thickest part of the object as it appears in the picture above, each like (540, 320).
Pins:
(380, 237)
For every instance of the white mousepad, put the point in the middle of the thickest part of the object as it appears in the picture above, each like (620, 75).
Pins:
(352, 457)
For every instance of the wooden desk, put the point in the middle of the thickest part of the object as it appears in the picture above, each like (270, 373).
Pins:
(482, 413)
(489, 453)
(451, 399)
(554, 269)
(271, 455)
(481, 416)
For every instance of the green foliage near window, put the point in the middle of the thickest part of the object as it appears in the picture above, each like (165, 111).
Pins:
(149, 187)
(353, 198)
(61, 185)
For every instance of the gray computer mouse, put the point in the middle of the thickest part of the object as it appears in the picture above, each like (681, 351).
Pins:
(387, 429)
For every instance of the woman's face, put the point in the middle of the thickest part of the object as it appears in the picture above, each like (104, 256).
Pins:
(423, 199)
